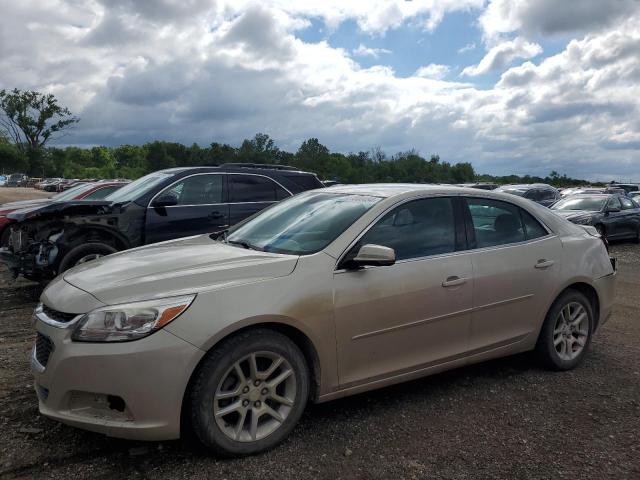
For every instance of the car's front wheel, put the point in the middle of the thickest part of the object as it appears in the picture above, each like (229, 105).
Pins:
(566, 332)
(249, 393)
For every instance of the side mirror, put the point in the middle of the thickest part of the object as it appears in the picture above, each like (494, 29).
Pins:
(377, 255)
(166, 200)
(612, 210)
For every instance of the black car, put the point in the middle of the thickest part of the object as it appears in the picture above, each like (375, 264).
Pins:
(179, 202)
(538, 192)
(614, 216)
(17, 180)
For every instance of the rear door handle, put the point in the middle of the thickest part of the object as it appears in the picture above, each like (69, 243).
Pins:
(542, 263)
(453, 281)
(216, 215)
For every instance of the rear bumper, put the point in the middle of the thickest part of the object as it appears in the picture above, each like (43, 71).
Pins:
(606, 288)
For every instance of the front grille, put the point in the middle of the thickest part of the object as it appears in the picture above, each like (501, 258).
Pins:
(61, 317)
(44, 347)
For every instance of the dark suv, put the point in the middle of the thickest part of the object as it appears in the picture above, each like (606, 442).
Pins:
(538, 192)
(163, 205)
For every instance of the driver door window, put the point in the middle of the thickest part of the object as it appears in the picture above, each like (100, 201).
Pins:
(197, 190)
(416, 229)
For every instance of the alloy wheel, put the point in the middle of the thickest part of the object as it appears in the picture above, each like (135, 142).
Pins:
(255, 396)
(571, 331)
(88, 258)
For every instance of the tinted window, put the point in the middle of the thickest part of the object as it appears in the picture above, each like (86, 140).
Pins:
(253, 188)
(533, 228)
(614, 203)
(416, 229)
(101, 193)
(495, 222)
(197, 190)
(627, 204)
(547, 194)
(305, 182)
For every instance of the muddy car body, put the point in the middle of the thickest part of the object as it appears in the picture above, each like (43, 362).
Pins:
(168, 204)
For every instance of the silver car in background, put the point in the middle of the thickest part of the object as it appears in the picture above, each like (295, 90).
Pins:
(329, 293)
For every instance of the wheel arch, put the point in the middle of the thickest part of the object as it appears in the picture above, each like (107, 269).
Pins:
(296, 335)
(96, 233)
(588, 290)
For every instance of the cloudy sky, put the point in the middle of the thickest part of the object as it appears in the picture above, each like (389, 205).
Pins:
(514, 86)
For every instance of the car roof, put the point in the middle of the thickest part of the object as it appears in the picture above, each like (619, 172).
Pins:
(238, 168)
(525, 186)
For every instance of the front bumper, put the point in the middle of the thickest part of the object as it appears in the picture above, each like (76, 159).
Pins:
(130, 390)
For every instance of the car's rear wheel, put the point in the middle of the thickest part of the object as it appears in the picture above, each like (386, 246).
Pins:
(84, 253)
(249, 393)
(566, 332)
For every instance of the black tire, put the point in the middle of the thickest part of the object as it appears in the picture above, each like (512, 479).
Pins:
(4, 238)
(73, 256)
(212, 372)
(545, 348)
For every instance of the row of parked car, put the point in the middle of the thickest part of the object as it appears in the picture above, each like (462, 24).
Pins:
(295, 293)
(90, 219)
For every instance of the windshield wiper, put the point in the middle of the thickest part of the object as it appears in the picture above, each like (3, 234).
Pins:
(244, 244)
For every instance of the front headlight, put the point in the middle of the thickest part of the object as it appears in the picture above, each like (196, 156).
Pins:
(131, 321)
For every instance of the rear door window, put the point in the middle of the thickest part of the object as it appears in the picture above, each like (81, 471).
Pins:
(533, 228)
(495, 222)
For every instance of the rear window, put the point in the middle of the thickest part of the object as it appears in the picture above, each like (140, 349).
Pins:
(304, 182)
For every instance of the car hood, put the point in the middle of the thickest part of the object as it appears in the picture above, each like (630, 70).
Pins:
(71, 207)
(176, 267)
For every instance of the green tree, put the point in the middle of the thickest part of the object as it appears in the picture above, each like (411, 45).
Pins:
(314, 156)
(31, 119)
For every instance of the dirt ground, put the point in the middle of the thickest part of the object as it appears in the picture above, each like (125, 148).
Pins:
(14, 194)
(507, 418)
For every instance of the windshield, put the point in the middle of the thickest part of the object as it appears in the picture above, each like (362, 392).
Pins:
(592, 204)
(303, 224)
(72, 192)
(512, 191)
(141, 186)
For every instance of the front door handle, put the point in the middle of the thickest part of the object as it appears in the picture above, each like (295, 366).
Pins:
(454, 281)
(543, 263)
(216, 215)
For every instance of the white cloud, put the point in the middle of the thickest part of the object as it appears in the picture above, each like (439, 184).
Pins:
(363, 51)
(467, 48)
(552, 16)
(502, 55)
(231, 70)
(433, 70)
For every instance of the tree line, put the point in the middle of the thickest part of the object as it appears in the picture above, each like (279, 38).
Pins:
(30, 119)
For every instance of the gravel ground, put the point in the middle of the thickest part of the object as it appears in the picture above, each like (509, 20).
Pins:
(503, 419)
(13, 194)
